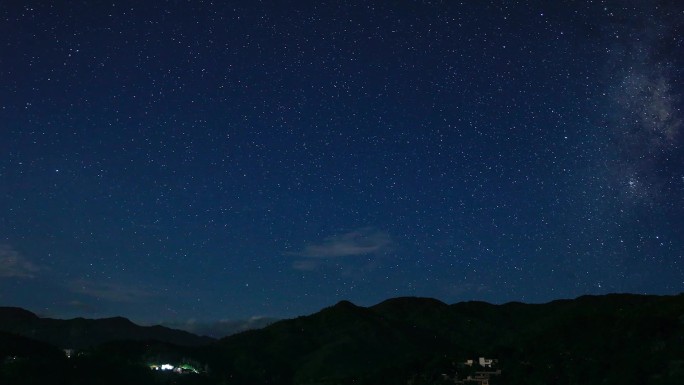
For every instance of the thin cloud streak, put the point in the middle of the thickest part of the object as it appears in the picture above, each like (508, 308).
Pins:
(363, 241)
(358, 242)
(15, 265)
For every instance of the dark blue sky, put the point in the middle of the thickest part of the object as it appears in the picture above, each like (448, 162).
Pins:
(175, 160)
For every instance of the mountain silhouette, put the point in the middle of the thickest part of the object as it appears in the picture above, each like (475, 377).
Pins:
(621, 339)
(80, 333)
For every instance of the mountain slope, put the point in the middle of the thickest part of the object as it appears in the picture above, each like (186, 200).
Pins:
(626, 339)
(81, 332)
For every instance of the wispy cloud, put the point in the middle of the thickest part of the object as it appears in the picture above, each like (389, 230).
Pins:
(112, 291)
(15, 265)
(306, 265)
(357, 242)
(81, 306)
(363, 241)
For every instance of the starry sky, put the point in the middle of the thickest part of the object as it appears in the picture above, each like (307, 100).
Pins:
(198, 160)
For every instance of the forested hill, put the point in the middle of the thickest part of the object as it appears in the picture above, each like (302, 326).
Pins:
(625, 339)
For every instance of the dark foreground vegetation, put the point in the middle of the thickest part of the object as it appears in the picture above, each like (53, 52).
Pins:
(614, 339)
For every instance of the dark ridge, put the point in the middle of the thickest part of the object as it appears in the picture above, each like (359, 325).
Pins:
(117, 322)
(419, 312)
(344, 304)
(83, 333)
(16, 314)
(407, 302)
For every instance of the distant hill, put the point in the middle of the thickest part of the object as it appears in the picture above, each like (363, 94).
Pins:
(81, 333)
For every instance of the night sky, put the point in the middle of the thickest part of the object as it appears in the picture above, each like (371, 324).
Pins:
(195, 160)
